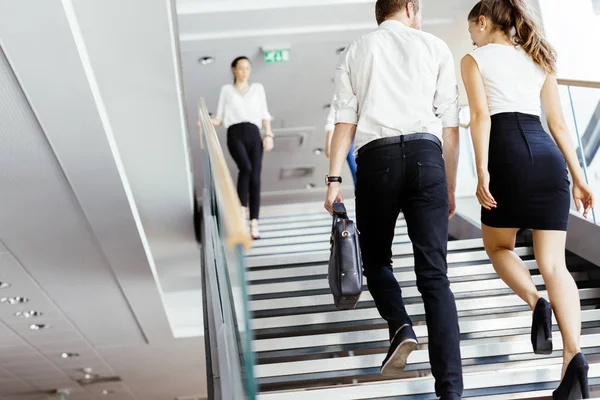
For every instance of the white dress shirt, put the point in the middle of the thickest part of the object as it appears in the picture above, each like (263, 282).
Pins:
(235, 108)
(396, 81)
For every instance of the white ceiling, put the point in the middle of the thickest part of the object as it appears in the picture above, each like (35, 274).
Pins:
(96, 226)
(297, 91)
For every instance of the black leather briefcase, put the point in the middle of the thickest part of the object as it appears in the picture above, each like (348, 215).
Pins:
(345, 262)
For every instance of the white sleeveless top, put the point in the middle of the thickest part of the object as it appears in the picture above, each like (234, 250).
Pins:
(513, 81)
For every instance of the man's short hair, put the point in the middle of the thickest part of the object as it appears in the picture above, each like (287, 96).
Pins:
(385, 8)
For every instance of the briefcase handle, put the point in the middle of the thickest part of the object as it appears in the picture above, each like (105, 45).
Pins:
(339, 210)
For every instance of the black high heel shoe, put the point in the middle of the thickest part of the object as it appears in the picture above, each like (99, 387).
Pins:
(574, 385)
(541, 328)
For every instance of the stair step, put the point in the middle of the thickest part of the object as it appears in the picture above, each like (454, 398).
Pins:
(323, 255)
(467, 327)
(290, 287)
(291, 271)
(319, 237)
(483, 383)
(491, 303)
(407, 292)
(307, 349)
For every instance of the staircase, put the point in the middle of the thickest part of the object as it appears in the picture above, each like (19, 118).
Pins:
(305, 349)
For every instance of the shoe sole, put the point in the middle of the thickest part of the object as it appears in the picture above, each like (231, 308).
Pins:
(395, 365)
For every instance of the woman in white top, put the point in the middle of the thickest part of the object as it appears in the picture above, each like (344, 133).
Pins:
(242, 110)
(523, 179)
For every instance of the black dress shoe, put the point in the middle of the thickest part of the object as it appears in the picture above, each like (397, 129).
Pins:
(541, 328)
(574, 385)
(403, 343)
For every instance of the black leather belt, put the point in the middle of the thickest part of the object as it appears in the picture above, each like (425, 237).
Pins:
(398, 140)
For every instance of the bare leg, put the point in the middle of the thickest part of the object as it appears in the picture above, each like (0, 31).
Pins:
(500, 244)
(549, 249)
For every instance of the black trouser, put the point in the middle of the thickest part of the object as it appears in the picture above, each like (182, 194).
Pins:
(410, 176)
(246, 148)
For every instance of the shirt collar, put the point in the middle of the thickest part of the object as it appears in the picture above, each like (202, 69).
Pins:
(393, 25)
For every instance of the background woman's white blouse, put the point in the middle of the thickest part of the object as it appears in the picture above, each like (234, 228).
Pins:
(235, 108)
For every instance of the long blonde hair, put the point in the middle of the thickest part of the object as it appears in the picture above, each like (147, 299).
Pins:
(508, 14)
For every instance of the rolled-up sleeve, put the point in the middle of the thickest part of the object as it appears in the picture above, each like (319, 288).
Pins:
(346, 103)
(446, 97)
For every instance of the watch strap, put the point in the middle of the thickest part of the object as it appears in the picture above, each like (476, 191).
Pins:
(332, 179)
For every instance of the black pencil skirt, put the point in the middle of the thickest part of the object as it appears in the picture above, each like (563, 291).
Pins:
(528, 176)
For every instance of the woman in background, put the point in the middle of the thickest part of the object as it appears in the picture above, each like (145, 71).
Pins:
(242, 110)
(523, 179)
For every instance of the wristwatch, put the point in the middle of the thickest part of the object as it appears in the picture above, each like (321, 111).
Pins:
(330, 179)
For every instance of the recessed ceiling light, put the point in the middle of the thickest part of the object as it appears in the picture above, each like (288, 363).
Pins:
(318, 151)
(106, 392)
(340, 50)
(206, 60)
(310, 186)
(87, 377)
(14, 300)
(327, 106)
(4, 285)
(69, 355)
(28, 314)
(37, 327)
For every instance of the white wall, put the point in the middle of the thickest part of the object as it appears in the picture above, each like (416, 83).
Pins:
(133, 57)
(574, 29)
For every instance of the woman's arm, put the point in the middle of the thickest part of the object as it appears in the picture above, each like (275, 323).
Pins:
(480, 127)
(218, 120)
(268, 141)
(558, 128)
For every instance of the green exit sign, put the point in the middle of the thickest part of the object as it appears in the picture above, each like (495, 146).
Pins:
(277, 56)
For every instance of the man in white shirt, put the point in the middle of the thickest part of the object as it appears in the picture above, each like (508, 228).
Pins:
(397, 98)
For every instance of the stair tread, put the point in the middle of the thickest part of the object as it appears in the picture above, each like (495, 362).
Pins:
(411, 386)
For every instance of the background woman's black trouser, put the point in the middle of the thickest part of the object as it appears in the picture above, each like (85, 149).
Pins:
(246, 148)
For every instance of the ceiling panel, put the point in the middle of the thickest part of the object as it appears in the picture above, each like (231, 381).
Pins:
(301, 17)
(50, 255)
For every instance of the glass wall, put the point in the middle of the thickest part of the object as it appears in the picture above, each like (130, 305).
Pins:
(574, 30)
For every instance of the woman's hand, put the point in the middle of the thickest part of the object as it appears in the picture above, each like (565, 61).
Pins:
(583, 196)
(483, 192)
(268, 143)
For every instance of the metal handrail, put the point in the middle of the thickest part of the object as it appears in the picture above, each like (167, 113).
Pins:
(579, 83)
(233, 218)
